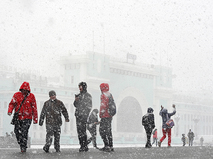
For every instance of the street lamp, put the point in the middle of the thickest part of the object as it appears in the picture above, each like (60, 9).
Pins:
(177, 118)
(196, 119)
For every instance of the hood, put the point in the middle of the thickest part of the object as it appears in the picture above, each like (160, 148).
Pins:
(150, 110)
(104, 87)
(83, 84)
(164, 111)
(26, 86)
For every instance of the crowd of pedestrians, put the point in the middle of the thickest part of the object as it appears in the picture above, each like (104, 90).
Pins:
(24, 104)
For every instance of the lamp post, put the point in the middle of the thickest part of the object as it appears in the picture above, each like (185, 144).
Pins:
(177, 118)
(196, 119)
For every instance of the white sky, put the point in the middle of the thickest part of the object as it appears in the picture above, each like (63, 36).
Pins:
(176, 33)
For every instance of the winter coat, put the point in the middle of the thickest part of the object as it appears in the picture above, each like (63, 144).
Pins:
(83, 105)
(52, 111)
(28, 109)
(91, 120)
(191, 135)
(151, 124)
(155, 135)
(104, 113)
(166, 116)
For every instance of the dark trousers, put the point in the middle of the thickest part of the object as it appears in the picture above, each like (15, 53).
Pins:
(81, 130)
(21, 130)
(190, 142)
(93, 134)
(53, 131)
(106, 131)
(148, 135)
(184, 143)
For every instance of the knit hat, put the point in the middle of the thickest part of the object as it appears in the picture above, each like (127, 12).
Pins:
(52, 93)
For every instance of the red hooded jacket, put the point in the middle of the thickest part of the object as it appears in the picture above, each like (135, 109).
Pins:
(28, 109)
(104, 101)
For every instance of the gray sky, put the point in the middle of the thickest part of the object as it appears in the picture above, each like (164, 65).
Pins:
(175, 33)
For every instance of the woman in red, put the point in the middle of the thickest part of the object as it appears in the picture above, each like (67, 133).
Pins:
(27, 113)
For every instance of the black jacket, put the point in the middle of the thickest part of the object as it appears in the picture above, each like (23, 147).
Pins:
(52, 111)
(151, 121)
(83, 106)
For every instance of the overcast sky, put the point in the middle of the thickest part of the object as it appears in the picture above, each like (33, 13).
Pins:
(175, 33)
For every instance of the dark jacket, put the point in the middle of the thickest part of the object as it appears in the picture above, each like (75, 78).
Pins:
(165, 116)
(52, 111)
(91, 120)
(191, 135)
(83, 106)
(151, 123)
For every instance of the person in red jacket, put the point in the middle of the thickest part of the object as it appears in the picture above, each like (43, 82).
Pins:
(27, 113)
(106, 120)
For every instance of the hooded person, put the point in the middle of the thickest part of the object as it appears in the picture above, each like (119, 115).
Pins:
(105, 128)
(27, 112)
(165, 117)
(83, 105)
(148, 121)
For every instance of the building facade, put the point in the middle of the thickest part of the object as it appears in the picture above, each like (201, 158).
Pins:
(135, 87)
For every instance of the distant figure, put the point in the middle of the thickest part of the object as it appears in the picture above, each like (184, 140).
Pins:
(92, 123)
(12, 134)
(148, 121)
(155, 137)
(191, 137)
(7, 135)
(183, 139)
(52, 110)
(27, 113)
(165, 116)
(83, 105)
(201, 141)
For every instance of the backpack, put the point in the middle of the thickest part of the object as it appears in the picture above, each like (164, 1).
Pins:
(112, 106)
(170, 123)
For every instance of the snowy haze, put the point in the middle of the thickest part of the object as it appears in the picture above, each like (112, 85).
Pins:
(174, 33)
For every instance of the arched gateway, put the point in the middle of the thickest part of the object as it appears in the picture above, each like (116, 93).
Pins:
(131, 105)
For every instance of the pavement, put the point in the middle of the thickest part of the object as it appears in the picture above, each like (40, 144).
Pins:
(179, 152)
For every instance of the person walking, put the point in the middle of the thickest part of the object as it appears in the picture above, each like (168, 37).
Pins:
(148, 121)
(201, 141)
(83, 105)
(24, 103)
(165, 129)
(92, 123)
(52, 110)
(191, 137)
(183, 139)
(105, 128)
(155, 137)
